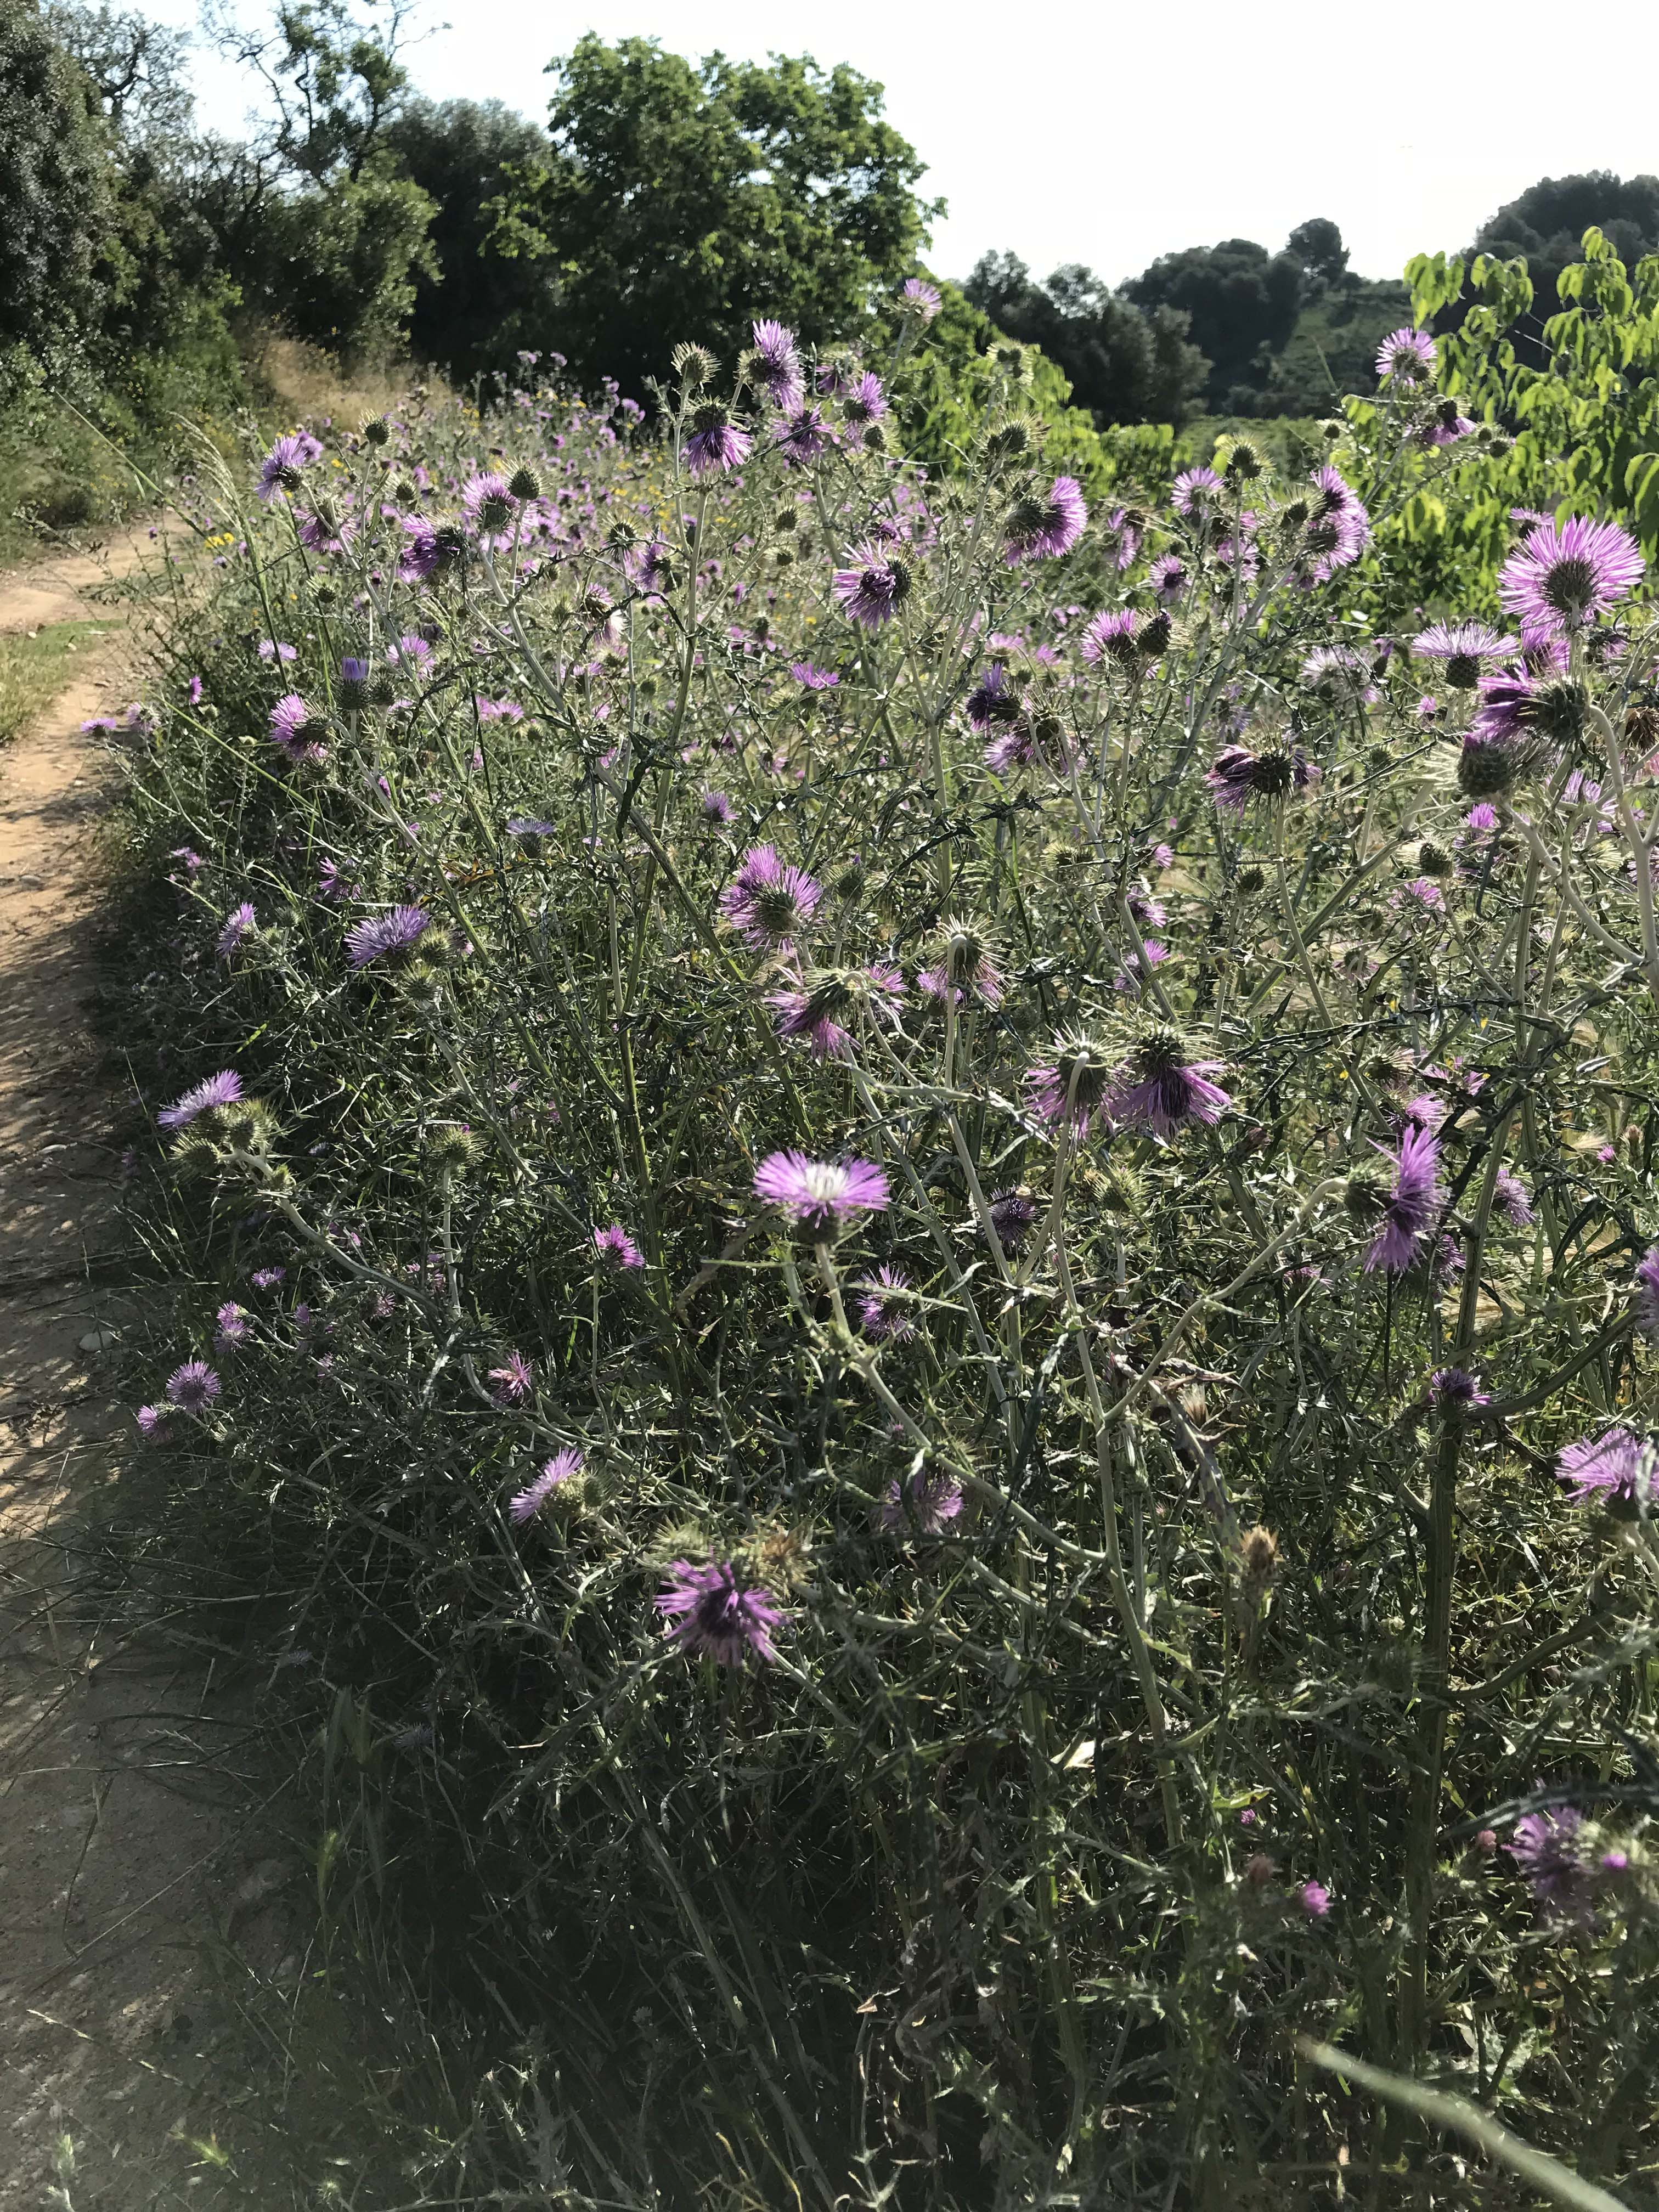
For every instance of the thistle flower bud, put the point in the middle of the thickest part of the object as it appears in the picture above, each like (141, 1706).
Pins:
(377, 431)
(786, 519)
(382, 689)
(1258, 1555)
(1363, 1196)
(525, 484)
(1259, 1870)
(784, 557)
(1433, 860)
(848, 882)
(1010, 443)
(404, 493)
(874, 439)
(694, 365)
(1486, 769)
(1153, 638)
(451, 1150)
(1244, 464)
(1252, 877)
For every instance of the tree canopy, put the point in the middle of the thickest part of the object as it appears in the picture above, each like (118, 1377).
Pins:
(1124, 365)
(675, 201)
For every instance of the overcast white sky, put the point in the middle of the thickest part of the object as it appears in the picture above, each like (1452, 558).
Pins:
(1108, 133)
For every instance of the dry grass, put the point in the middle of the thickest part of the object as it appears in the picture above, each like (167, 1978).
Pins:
(300, 381)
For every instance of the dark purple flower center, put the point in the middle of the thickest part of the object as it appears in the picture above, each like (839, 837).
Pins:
(1571, 586)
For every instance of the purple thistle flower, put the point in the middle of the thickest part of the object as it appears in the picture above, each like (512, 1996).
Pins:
(152, 1422)
(426, 555)
(706, 1609)
(1315, 1899)
(874, 588)
(1167, 579)
(334, 882)
(919, 298)
(1511, 1199)
(1559, 576)
(717, 810)
(1338, 673)
(992, 704)
(531, 829)
(266, 1279)
(716, 445)
(411, 651)
(1456, 1391)
(1463, 647)
(615, 1250)
(1113, 635)
(649, 567)
(777, 365)
(221, 1090)
(271, 648)
(1017, 747)
(286, 463)
(1541, 1844)
(295, 731)
(1407, 354)
(515, 1380)
(195, 692)
(1412, 1204)
(524, 1504)
(1237, 775)
(241, 922)
(1013, 1216)
(193, 1387)
(1120, 537)
(232, 1329)
(1075, 1088)
(928, 1502)
(1043, 529)
(820, 1195)
(1647, 1292)
(810, 1011)
(1195, 491)
(388, 936)
(491, 509)
(805, 436)
(864, 401)
(769, 903)
(965, 968)
(812, 678)
(1158, 1085)
(1617, 1462)
(880, 1304)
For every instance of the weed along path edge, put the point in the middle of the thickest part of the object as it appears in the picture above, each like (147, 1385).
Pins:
(124, 1843)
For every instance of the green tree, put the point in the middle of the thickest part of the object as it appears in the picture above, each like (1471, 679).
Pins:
(1124, 366)
(950, 386)
(57, 193)
(1545, 224)
(311, 220)
(676, 202)
(476, 308)
(1241, 303)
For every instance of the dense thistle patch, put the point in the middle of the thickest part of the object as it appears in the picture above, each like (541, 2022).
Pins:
(920, 1239)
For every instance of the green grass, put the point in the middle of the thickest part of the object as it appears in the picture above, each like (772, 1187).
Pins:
(35, 666)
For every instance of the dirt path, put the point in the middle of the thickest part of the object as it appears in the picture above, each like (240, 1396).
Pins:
(126, 1849)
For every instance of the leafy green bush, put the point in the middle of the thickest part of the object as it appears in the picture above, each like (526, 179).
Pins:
(912, 1242)
(1580, 433)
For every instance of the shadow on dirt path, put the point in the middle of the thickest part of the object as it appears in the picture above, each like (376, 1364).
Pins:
(130, 1823)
